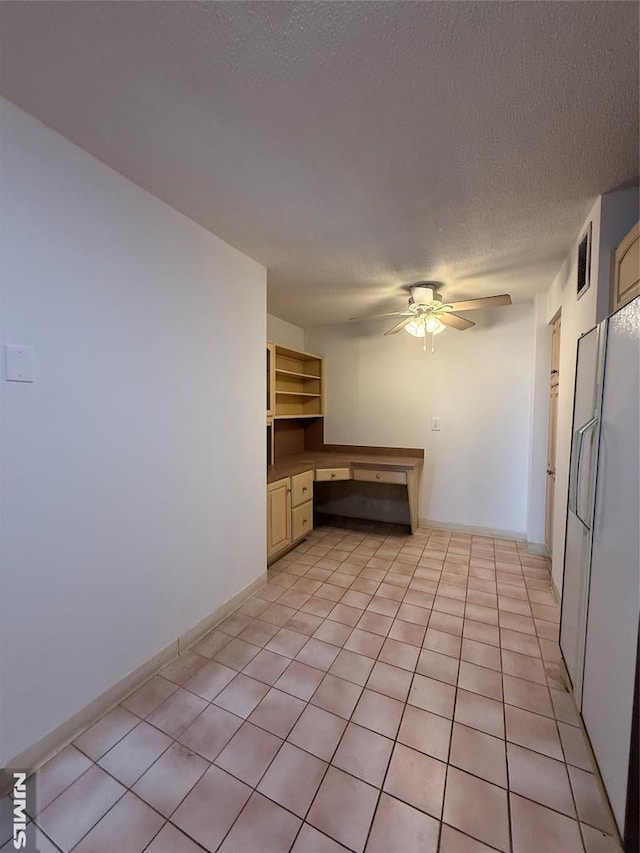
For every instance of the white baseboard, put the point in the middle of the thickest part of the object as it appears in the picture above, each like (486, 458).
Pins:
(538, 548)
(516, 535)
(40, 752)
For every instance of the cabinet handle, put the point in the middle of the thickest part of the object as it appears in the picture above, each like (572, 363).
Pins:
(377, 476)
(304, 520)
(333, 476)
(304, 488)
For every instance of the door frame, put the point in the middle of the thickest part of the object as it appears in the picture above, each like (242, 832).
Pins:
(552, 430)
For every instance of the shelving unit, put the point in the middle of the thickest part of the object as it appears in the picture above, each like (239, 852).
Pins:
(298, 384)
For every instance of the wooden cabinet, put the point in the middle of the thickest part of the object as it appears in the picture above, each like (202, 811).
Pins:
(289, 512)
(298, 384)
(278, 516)
(626, 269)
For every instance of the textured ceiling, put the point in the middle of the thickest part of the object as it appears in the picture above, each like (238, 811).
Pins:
(349, 147)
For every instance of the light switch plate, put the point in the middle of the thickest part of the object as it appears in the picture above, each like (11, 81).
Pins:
(19, 363)
(435, 424)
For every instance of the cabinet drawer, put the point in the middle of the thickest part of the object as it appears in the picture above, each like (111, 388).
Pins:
(301, 488)
(323, 474)
(380, 475)
(302, 520)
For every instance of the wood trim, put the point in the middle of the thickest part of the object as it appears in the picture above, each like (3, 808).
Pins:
(271, 398)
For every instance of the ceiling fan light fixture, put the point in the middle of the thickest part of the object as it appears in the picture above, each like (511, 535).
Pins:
(422, 326)
(434, 326)
(415, 328)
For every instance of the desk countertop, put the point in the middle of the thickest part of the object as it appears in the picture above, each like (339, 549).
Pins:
(287, 466)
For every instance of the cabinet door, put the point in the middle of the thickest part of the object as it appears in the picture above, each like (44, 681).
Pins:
(278, 516)
(302, 520)
(626, 272)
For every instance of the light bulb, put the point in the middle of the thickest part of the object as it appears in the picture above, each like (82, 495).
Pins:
(434, 326)
(425, 325)
(416, 327)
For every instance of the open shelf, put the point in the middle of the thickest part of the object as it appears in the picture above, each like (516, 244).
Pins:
(295, 417)
(298, 381)
(299, 364)
(296, 394)
(295, 373)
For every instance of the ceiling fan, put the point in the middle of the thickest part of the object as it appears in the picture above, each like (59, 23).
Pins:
(427, 314)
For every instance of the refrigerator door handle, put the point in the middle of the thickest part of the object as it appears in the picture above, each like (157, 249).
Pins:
(574, 471)
(581, 433)
(573, 479)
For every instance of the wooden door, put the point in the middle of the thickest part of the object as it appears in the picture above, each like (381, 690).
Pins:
(626, 269)
(554, 383)
(551, 467)
(278, 516)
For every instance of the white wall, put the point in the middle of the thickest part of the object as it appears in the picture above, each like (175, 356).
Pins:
(385, 390)
(132, 483)
(281, 332)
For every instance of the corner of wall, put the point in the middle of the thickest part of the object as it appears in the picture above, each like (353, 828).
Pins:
(284, 333)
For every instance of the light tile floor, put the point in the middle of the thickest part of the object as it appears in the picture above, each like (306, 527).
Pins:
(383, 692)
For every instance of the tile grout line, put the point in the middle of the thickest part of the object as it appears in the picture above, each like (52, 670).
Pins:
(385, 637)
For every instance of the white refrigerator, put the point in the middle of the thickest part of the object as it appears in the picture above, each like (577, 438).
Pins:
(601, 585)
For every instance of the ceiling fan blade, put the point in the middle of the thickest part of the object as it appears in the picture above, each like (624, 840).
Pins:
(373, 316)
(456, 322)
(401, 325)
(481, 302)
